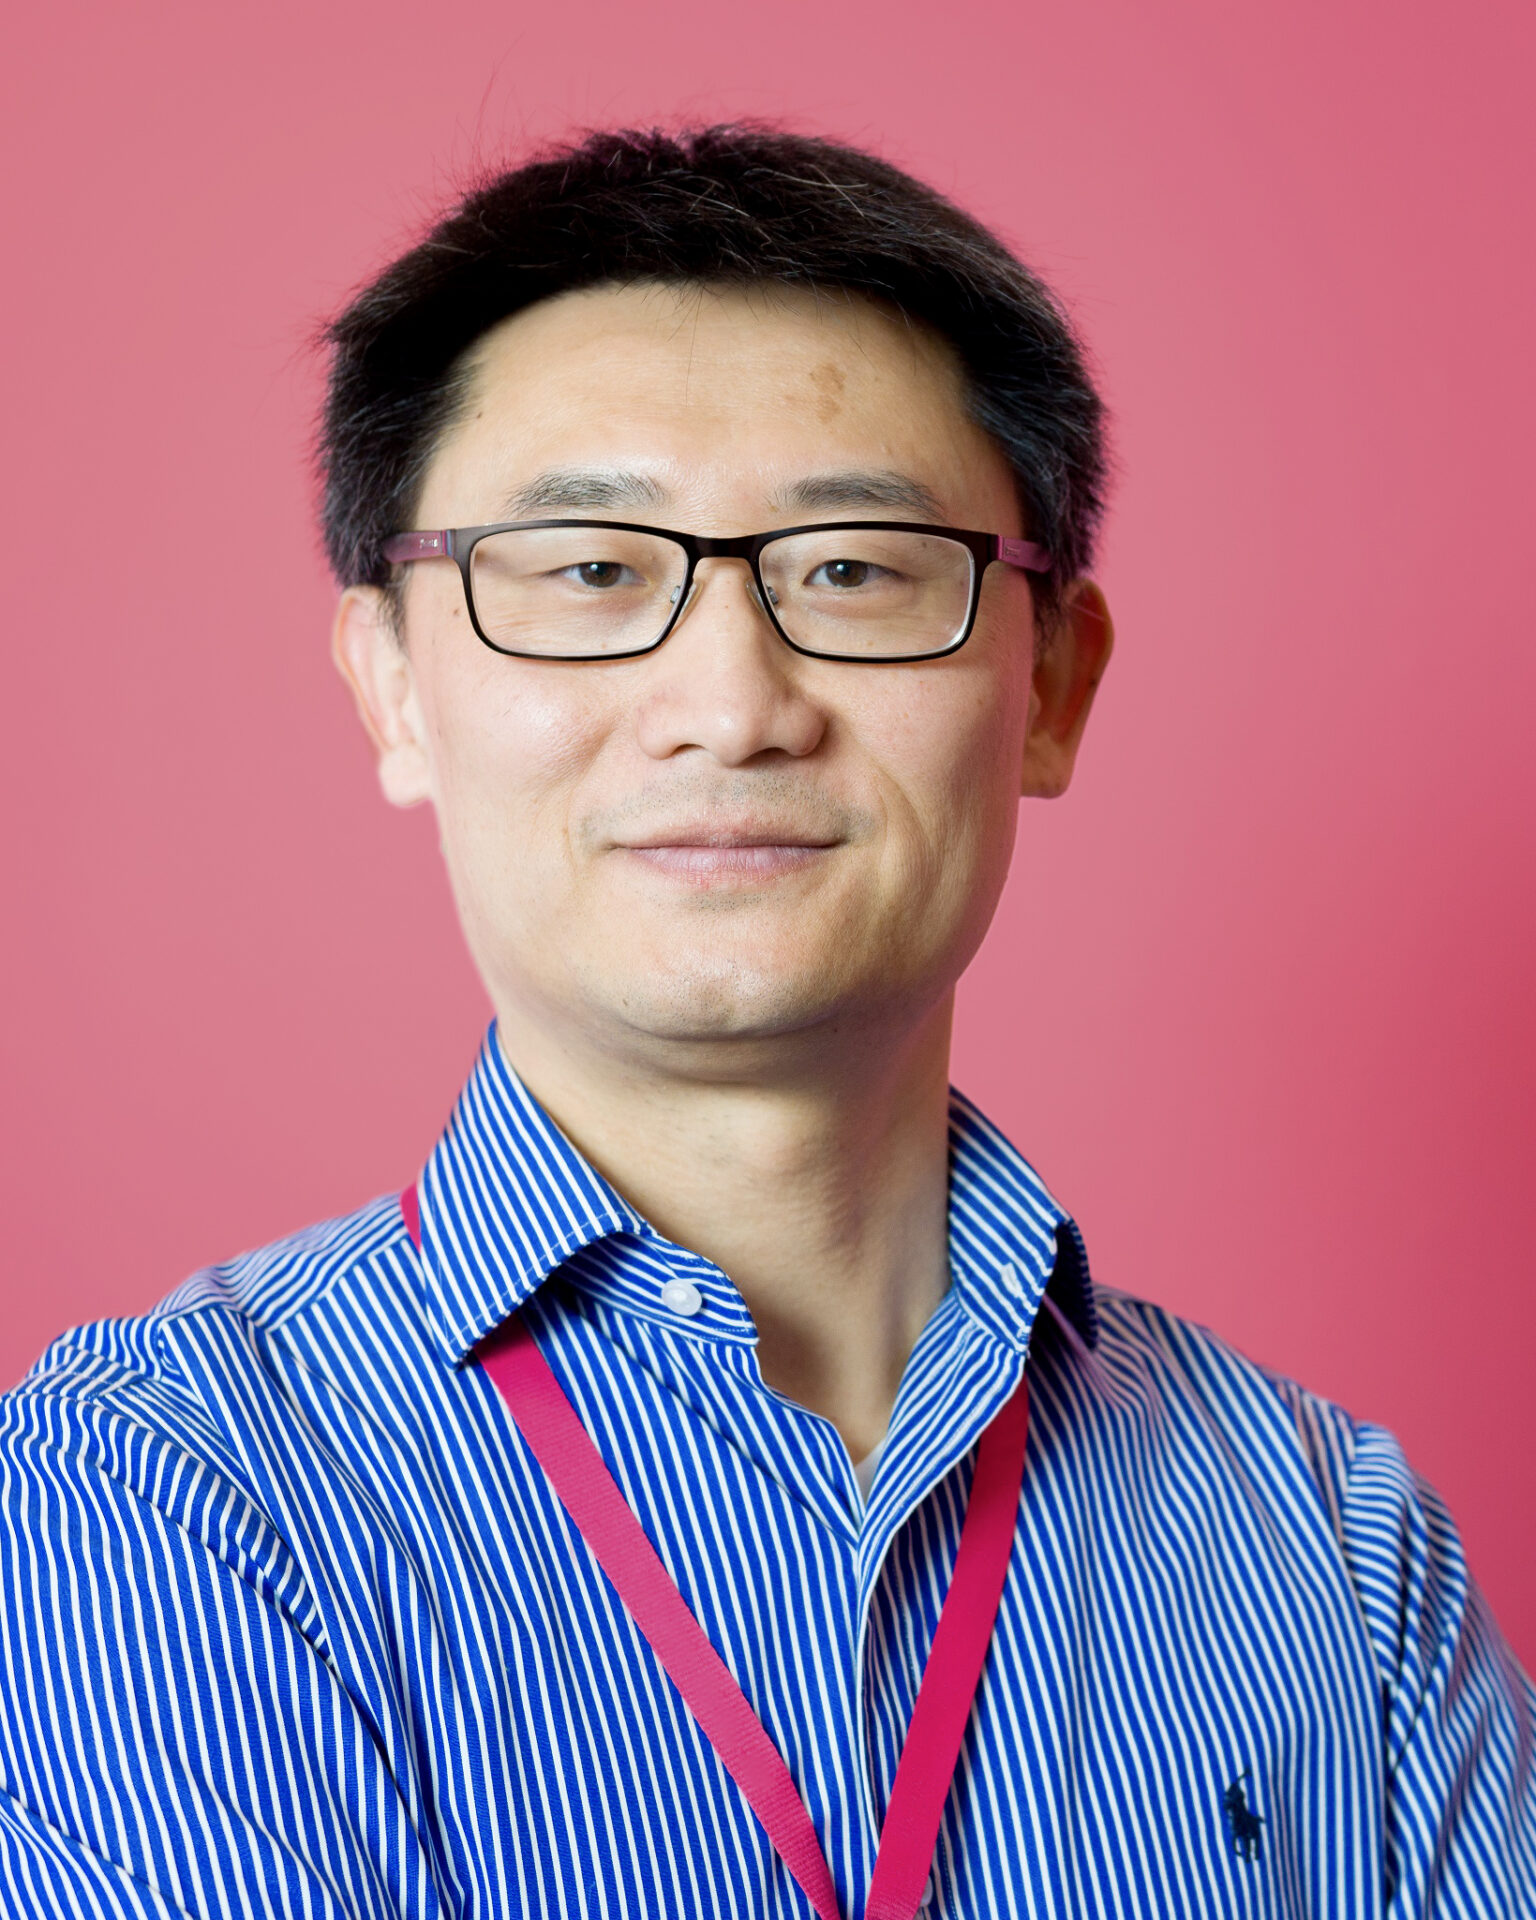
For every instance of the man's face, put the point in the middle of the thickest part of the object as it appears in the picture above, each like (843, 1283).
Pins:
(723, 839)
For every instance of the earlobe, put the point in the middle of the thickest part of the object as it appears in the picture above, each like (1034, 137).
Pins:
(1066, 676)
(378, 671)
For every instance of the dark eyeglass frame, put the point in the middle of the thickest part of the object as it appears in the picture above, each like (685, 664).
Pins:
(458, 544)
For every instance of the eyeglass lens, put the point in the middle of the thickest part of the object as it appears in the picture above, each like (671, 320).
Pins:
(587, 592)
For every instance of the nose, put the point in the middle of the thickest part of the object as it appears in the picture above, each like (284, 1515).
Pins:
(724, 682)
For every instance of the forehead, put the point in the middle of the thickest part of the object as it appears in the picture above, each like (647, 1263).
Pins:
(713, 390)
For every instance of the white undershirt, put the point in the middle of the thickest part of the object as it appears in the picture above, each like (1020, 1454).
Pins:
(864, 1470)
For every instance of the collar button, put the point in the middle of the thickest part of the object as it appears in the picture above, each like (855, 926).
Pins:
(682, 1297)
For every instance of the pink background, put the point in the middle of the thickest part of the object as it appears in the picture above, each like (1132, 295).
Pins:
(1259, 1002)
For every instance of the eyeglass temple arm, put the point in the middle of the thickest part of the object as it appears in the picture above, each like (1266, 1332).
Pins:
(1024, 554)
(401, 547)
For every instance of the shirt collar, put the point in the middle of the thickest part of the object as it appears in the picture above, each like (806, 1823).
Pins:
(506, 1199)
(1009, 1240)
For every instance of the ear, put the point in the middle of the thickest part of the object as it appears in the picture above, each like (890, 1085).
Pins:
(1068, 668)
(371, 657)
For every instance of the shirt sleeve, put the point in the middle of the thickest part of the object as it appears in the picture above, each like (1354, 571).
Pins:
(1459, 1716)
(173, 1738)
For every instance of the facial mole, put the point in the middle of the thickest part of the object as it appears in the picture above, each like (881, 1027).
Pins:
(829, 380)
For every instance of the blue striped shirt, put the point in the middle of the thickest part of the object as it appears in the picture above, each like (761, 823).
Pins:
(293, 1624)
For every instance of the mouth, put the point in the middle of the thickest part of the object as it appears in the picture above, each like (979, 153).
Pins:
(715, 855)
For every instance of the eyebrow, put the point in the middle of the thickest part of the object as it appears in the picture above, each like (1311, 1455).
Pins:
(585, 489)
(857, 487)
(561, 489)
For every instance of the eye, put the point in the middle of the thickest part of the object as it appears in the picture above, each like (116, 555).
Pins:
(598, 573)
(844, 573)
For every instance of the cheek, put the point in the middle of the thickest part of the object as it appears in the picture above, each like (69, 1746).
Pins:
(953, 749)
(511, 743)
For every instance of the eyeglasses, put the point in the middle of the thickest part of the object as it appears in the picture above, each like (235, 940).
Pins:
(869, 591)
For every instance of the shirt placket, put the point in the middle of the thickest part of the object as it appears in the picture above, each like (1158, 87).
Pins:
(959, 1378)
(963, 1370)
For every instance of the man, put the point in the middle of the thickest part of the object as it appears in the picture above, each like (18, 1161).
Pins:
(573, 1535)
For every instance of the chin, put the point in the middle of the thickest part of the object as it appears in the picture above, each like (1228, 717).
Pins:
(718, 1002)
(760, 1010)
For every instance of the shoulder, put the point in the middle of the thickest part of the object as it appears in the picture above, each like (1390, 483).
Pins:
(124, 1391)
(154, 1585)
(158, 1442)
(250, 1296)
(1310, 1461)
(1148, 1349)
(1358, 1467)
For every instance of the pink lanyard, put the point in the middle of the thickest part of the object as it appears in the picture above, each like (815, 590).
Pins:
(617, 1541)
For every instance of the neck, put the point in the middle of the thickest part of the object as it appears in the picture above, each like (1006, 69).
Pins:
(823, 1194)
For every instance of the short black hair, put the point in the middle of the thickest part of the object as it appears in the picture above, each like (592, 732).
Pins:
(737, 204)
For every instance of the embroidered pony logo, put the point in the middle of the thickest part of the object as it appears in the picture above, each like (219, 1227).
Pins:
(1245, 1828)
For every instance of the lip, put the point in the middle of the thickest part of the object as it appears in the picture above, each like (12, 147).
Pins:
(715, 854)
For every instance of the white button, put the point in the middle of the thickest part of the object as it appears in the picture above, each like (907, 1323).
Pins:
(1010, 1279)
(683, 1297)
